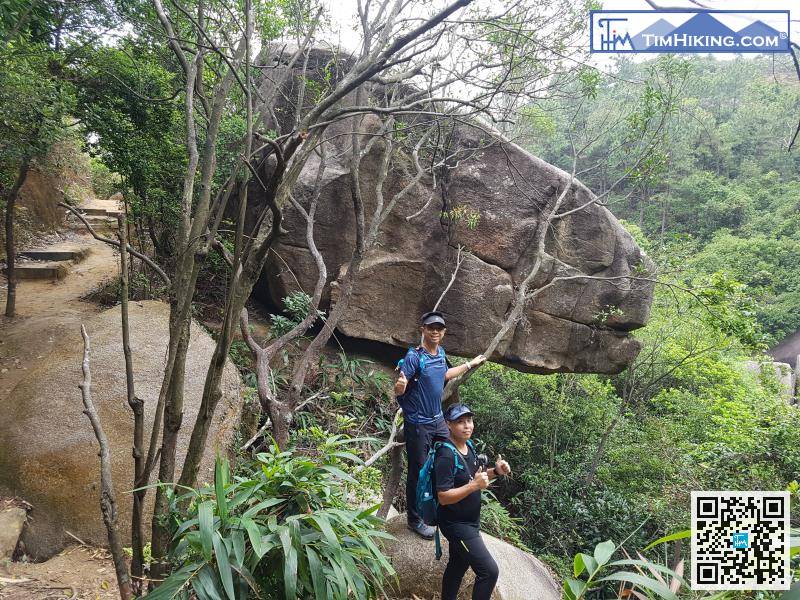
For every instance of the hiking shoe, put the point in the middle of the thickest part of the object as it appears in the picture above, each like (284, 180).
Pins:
(422, 530)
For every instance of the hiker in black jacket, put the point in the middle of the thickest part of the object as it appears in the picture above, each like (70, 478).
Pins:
(419, 388)
(459, 513)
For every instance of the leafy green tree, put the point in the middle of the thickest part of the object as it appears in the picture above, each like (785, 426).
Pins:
(595, 457)
(770, 270)
(38, 41)
(722, 170)
(33, 108)
(130, 105)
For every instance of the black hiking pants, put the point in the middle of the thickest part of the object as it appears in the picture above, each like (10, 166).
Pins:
(467, 549)
(419, 439)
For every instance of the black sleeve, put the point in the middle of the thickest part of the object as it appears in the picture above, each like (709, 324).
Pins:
(443, 469)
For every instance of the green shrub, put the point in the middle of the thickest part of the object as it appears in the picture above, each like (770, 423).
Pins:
(296, 305)
(280, 528)
(497, 521)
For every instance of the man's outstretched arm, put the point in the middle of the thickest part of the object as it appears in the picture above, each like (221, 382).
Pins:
(461, 369)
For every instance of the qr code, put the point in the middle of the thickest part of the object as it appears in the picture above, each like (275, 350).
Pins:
(740, 541)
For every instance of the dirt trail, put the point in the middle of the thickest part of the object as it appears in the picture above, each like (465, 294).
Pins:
(46, 308)
(79, 572)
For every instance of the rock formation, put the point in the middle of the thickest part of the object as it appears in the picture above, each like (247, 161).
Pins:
(419, 574)
(48, 453)
(578, 326)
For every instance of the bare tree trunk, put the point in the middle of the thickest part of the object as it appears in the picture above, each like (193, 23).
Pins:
(212, 390)
(387, 447)
(280, 416)
(173, 417)
(108, 501)
(11, 257)
(395, 474)
(347, 283)
(601, 447)
(137, 406)
(240, 287)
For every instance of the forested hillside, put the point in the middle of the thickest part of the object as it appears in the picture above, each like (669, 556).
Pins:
(721, 193)
(717, 207)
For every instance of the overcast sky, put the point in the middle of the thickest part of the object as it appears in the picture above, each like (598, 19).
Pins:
(343, 13)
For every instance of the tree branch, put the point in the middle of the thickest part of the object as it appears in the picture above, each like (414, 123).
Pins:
(108, 500)
(115, 243)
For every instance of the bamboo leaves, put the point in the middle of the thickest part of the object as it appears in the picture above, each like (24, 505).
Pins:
(276, 528)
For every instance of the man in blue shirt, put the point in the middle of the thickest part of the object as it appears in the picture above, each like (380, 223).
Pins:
(419, 389)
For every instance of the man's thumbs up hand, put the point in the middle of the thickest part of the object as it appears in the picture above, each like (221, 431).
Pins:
(482, 479)
(501, 467)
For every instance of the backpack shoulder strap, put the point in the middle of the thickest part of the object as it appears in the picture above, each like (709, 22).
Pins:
(421, 363)
(443, 354)
(421, 354)
(458, 460)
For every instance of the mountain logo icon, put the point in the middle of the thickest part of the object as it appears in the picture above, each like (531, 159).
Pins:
(718, 31)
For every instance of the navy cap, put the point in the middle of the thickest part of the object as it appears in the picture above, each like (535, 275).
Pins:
(455, 411)
(429, 318)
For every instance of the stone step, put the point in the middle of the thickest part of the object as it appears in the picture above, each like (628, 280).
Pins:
(56, 255)
(95, 221)
(100, 212)
(38, 270)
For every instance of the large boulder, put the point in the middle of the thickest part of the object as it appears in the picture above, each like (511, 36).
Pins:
(48, 452)
(522, 576)
(498, 191)
(13, 517)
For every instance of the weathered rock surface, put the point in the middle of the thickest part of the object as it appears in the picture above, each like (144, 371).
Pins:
(48, 453)
(522, 576)
(579, 325)
(787, 350)
(786, 376)
(12, 522)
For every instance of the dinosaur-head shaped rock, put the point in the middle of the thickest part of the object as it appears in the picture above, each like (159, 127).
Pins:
(489, 202)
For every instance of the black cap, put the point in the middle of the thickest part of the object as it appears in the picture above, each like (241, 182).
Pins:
(455, 411)
(429, 318)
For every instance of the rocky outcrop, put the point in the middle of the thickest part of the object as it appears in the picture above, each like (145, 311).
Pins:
(490, 202)
(48, 453)
(419, 574)
(13, 517)
(787, 350)
(783, 373)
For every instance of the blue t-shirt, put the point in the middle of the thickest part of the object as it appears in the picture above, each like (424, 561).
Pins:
(422, 402)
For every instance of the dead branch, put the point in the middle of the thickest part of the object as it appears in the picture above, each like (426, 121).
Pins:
(137, 406)
(388, 446)
(521, 296)
(395, 474)
(108, 500)
(459, 260)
